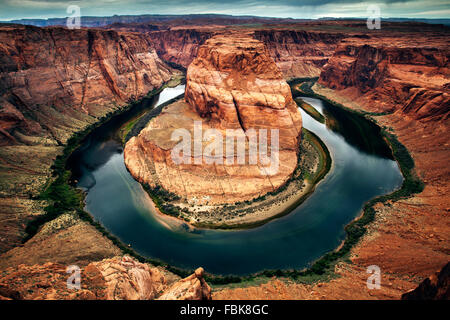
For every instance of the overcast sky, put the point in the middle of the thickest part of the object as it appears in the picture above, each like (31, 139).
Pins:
(17, 9)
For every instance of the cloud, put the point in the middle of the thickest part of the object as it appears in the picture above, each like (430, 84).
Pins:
(15, 9)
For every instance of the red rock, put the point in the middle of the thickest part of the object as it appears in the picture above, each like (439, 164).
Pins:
(435, 287)
(393, 76)
(118, 278)
(51, 79)
(232, 84)
(193, 287)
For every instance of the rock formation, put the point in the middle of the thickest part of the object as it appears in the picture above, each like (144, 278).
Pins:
(54, 82)
(118, 278)
(127, 279)
(435, 287)
(232, 84)
(179, 46)
(53, 79)
(299, 53)
(296, 53)
(193, 287)
(389, 75)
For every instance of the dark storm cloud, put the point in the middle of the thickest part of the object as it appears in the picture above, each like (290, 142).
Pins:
(14, 9)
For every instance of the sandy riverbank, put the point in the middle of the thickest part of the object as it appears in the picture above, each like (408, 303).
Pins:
(314, 163)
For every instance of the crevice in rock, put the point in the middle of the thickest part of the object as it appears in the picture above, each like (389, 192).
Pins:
(241, 123)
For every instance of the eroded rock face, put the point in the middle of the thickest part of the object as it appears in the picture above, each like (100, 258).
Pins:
(179, 46)
(407, 78)
(118, 278)
(296, 53)
(127, 279)
(393, 75)
(299, 53)
(233, 84)
(54, 80)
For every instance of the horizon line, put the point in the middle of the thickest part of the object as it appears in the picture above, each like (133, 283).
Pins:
(221, 14)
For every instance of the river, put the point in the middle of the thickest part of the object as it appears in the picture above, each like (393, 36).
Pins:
(362, 169)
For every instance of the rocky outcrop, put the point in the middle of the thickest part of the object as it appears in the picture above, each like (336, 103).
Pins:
(118, 278)
(296, 53)
(127, 279)
(299, 54)
(232, 84)
(193, 287)
(391, 75)
(435, 287)
(52, 80)
(179, 46)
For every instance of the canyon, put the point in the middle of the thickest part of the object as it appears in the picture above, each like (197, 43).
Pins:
(73, 80)
(403, 85)
(54, 82)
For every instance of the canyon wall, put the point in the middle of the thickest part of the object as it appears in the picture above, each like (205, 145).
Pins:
(296, 53)
(179, 46)
(401, 80)
(53, 79)
(232, 84)
(390, 75)
(54, 82)
(299, 54)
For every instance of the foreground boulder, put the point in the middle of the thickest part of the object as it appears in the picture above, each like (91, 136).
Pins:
(118, 278)
(233, 84)
(127, 279)
(193, 287)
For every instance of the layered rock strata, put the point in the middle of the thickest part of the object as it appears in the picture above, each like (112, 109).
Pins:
(296, 53)
(401, 81)
(179, 46)
(118, 278)
(392, 75)
(53, 80)
(299, 53)
(233, 84)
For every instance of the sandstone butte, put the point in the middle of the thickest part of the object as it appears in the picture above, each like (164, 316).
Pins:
(233, 83)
